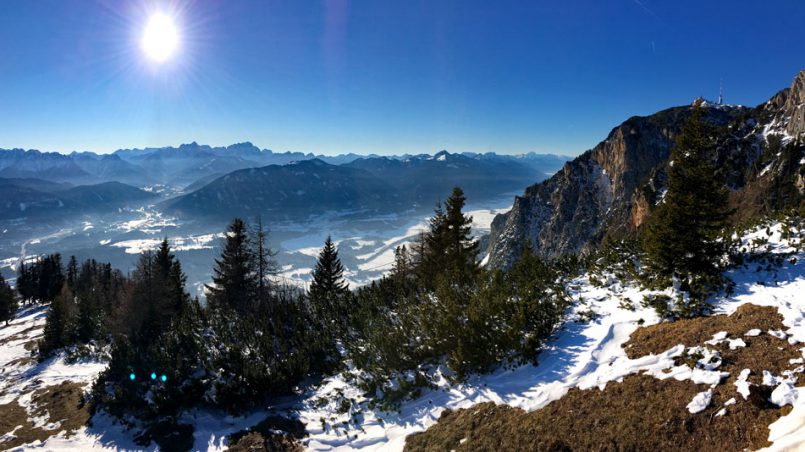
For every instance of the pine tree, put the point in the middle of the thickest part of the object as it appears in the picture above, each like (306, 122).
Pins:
(264, 263)
(89, 316)
(8, 301)
(682, 235)
(461, 249)
(448, 246)
(401, 270)
(58, 323)
(50, 277)
(432, 249)
(25, 282)
(328, 288)
(234, 278)
(72, 272)
(328, 296)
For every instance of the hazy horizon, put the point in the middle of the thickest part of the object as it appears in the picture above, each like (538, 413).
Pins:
(306, 152)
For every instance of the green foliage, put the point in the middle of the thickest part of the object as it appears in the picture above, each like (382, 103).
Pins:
(41, 280)
(8, 301)
(683, 238)
(57, 324)
(437, 306)
(79, 314)
(234, 280)
(448, 248)
(660, 302)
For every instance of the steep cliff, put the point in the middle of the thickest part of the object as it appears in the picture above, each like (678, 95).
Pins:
(612, 188)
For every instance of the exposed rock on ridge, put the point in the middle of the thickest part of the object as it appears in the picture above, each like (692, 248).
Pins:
(611, 189)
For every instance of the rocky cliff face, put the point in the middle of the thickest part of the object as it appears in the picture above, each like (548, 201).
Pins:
(795, 106)
(612, 188)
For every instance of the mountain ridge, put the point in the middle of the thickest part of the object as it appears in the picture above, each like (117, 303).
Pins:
(610, 190)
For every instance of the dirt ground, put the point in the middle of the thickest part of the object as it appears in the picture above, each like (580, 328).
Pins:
(275, 434)
(60, 404)
(642, 412)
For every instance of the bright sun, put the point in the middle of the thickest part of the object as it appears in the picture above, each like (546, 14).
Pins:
(160, 38)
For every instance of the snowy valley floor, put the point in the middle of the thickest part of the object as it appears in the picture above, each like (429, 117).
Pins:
(727, 382)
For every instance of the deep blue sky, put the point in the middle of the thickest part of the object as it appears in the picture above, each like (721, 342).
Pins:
(380, 76)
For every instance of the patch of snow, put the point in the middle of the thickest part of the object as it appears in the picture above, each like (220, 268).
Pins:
(742, 384)
(718, 337)
(700, 401)
(784, 394)
(779, 334)
(736, 343)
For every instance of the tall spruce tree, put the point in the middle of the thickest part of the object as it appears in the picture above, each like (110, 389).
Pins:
(328, 290)
(72, 272)
(264, 263)
(235, 283)
(8, 301)
(26, 285)
(461, 253)
(51, 277)
(682, 235)
(328, 296)
(59, 323)
(432, 249)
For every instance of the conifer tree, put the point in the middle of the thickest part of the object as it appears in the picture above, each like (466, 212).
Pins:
(89, 316)
(682, 235)
(8, 301)
(328, 297)
(25, 282)
(461, 249)
(72, 272)
(402, 264)
(448, 245)
(264, 263)
(328, 285)
(50, 277)
(433, 248)
(328, 288)
(234, 278)
(58, 323)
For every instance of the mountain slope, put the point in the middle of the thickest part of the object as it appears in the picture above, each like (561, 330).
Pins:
(20, 199)
(425, 179)
(611, 189)
(380, 184)
(284, 191)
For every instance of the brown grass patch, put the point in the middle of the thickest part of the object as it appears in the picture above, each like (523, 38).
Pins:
(18, 335)
(31, 345)
(61, 404)
(658, 338)
(642, 412)
(274, 433)
(24, 361)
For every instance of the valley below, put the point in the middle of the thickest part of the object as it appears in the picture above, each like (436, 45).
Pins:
(366, 240)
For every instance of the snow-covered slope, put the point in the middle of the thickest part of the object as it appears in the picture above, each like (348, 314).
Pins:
(583, 354)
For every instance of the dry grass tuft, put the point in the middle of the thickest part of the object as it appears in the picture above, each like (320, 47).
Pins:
(60, 404)
(274, 433)
(642, 412)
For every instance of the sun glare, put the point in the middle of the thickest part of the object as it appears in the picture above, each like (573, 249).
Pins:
(160, 38)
